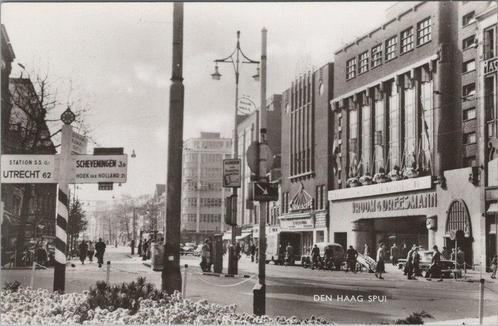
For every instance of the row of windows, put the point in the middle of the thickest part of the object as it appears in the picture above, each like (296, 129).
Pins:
(211, 202)
(373, 58)
(210, 218)
(202, 185)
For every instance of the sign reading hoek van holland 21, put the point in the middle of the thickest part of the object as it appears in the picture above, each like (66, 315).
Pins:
(98, 168)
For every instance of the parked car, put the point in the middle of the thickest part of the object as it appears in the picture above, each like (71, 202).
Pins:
(187, 249)
(425, 262)
(334, 250)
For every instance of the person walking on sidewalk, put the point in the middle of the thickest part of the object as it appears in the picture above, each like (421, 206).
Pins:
(252, 250)
(394, 254)
(205, 256)
(380, 262)
(315, 257)
(91, 251)
(351, 256)
(83, 251)
(290, 254)
(494, 265)
(435, 268)
(409, 263)
(100, 250)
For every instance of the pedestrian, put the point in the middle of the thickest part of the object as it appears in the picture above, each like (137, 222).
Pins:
(494, 265)
(145, 249)
(238, 249)
(461, 260)
(205, 256)
(416, 262)
(83, 251)
(132, 245)
(100, 249)
(91, 251)
(252, 251)
(380, 262)
(453, 255)
(115, 243)
(404, 250)
(409, 263)
(366, 250)
(290, 254)
(394, 254)
(446, 253)
(315, 257)
(256, 252)
(435, 268)
(140, 245)
(281, 254)
(351, 256)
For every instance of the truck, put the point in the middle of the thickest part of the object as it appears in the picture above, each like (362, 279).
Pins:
(273, 242)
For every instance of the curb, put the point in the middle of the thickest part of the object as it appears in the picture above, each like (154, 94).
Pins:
(226, 275)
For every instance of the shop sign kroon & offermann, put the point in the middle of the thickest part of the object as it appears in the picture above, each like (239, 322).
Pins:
(406, 202)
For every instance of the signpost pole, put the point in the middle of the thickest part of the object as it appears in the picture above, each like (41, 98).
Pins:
(62, 214)
(259, 305)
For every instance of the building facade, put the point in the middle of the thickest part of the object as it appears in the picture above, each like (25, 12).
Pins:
(202, 191)
(486, 79)
(305, 160)
(406, 154)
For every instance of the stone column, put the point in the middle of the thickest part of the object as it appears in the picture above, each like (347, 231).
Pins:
(431, 223)
(361, 235)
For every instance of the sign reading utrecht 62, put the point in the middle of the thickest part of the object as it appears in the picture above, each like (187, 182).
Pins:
(98, 168)
(28, 168)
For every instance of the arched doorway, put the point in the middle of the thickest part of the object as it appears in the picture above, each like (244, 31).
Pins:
(458, 227)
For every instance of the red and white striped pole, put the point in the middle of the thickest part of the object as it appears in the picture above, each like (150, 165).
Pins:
(62, 214)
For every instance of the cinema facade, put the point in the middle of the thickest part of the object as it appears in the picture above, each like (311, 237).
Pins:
(406, 158)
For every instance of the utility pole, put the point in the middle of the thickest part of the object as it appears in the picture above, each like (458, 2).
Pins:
(171, 276)
(259, 291)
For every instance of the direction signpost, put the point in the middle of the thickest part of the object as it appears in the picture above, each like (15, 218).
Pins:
(64, 169)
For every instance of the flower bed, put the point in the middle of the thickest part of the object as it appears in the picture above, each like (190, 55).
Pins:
(40, 306)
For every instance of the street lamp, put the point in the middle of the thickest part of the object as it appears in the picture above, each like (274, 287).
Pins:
(234, 58)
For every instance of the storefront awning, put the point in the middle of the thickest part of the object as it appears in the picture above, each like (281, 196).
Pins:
(493, 208)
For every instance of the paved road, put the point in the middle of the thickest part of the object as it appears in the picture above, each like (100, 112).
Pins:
(294, 290)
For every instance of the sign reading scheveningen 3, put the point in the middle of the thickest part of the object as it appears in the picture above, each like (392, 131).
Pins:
(412, 201)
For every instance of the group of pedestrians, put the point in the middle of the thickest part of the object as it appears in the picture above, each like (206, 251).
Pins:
(89, 250)
(144, 248)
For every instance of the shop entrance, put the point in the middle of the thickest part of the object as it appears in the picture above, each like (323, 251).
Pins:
(458, 227)
(406, 230)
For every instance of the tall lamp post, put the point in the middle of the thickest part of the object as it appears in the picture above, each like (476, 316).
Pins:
(235, 59)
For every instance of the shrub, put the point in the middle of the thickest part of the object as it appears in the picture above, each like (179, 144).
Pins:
(12, 286)
(415, 318)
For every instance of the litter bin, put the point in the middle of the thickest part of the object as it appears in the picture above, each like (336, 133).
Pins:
(156, 254)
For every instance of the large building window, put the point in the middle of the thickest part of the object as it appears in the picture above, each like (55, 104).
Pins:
(427, 107)
(353, 142)
(469, 138)
(351, 68)
(409, 125)
(363, 63)
(424, 29)
(490, 42)
(469, 66)
(391, 44)
(490, 104)
(406, 40)
(379, 132)
(468, 92)
(468, 42)
(469, 114)
(376, 55)
(366, 138)
(468, 18)
(393, 99)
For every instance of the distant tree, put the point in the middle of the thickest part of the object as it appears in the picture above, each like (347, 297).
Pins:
(77, 221)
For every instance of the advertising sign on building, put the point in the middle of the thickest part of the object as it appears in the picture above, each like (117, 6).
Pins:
(231, 173)
(98, 168)
(29, 168)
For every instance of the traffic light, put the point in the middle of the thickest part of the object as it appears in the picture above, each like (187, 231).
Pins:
(230, 210)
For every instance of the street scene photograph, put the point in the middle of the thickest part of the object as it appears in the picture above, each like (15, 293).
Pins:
(249, 163)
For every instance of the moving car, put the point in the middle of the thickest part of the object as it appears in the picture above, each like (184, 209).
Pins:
(425, 262)
(335, 252)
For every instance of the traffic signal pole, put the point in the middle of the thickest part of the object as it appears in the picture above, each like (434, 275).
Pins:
(171, 276)
(259, 291)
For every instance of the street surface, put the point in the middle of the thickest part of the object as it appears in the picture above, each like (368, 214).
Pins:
(293, 291)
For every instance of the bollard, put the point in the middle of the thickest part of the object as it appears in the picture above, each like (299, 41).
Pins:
(108, 271)
(184, 290)
(32, 281)
(481, 300)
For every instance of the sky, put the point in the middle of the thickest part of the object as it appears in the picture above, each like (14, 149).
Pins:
(115, 59)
